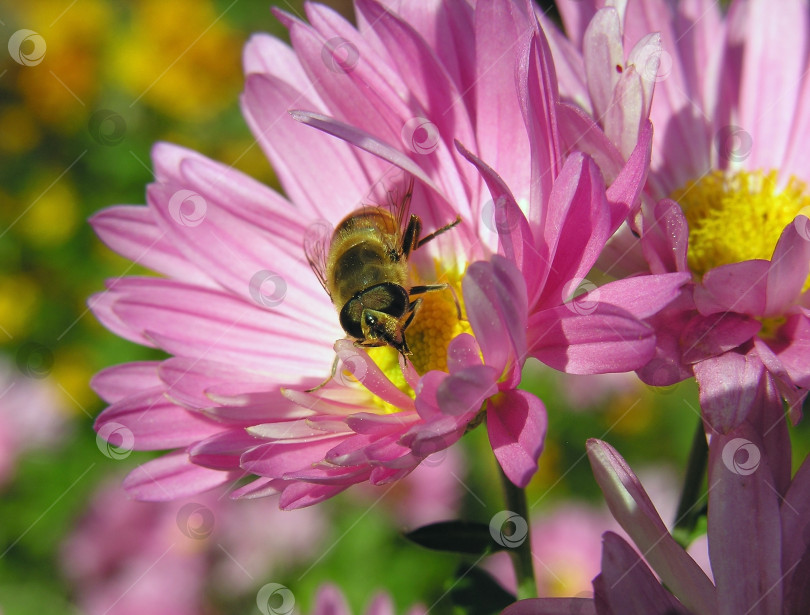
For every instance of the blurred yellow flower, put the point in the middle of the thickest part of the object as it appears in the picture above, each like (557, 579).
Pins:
(53, 213)
(180, 57)
(19, 301)
(19, 129)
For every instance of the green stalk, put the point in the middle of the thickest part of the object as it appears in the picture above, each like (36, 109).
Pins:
(522, 561)
(688, 511)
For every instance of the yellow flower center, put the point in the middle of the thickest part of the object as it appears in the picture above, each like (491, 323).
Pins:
(738, 217)
(436, 323)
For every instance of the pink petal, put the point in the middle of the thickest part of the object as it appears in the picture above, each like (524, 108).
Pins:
(517, 423)
(602, 51)
(738, 287)
(704, 337)
(579, 132)
(792, 347)
(134, 233)
(223, 451)
(744, 525)
(728, 387)
(495, 296)
(329, 601)
(625, 191)
(592, 338)
(362, 367)
(552, 606)
(788, 271)
(628, 586)
(633, 509)
(462, 352)
(155, 423)
(298, 495)
(626, 113)
(466, 391)
(119, 381)
(500, 131)
(794, 513)
(275, 459)
(665, 238)
(641, 296)
(172, 477)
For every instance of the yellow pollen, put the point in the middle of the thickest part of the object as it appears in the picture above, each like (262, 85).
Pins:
(436, 323)
(738, 217)
(770, 326)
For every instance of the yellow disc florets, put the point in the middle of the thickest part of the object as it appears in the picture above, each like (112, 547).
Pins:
(737, 217)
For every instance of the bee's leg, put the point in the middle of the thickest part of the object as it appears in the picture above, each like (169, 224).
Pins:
(331, 375)
(410, 238)
(418, 290)
(435, 233)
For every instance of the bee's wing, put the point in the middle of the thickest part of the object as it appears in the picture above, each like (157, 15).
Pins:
(401, 208)
(316, 249)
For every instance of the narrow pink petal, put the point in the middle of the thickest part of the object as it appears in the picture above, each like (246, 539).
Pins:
(155, 423)
(462, 352)
(738, 287)
(625, 191)
(795, 163)
(102, 304)
(173, 477)
(744, 525)
(704, 337)
(222, 451)
(568, 64)
(575, 17)
(502, 138)
(465, 391)
(552, 606)
(666, 367)
(369, 374)
(517, 423)
(133, 232)
(275, 459)
(728, 387)
(633, 509)
(792, 347)
(119, 381)
(629, 587)
(591, 338)
(495, 296)
(783, 378)
(380, 424)
(641, 296)
(300, 430)
(299, 495)
(794, 513)
(625, 113)
(329, 601)
(769, 96)
(259, 488)
(788, 271)
(665, 238)
(579, 132)
(602, 52)
(268, 55)
(577, 226)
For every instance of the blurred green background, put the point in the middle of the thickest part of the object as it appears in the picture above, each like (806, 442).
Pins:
(76, 129)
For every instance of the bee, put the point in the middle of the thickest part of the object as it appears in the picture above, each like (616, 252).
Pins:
(364, 270)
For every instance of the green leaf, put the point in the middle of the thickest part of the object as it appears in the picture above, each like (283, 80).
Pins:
(457, 536)
(477, 593)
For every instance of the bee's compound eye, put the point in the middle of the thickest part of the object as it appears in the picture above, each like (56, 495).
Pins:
(350, 318)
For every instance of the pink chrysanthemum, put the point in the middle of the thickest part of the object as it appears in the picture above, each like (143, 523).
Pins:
(251, 330)
(731, 112)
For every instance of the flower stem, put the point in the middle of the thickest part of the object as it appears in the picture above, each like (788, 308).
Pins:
(688, 511)
(515, 498)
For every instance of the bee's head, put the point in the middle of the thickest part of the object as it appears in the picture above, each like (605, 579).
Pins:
(380, 329)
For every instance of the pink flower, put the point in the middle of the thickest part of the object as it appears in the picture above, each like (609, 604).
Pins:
(759, 558)
(32, 415)
(172, 557)
(330, 601)
(731, 115)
